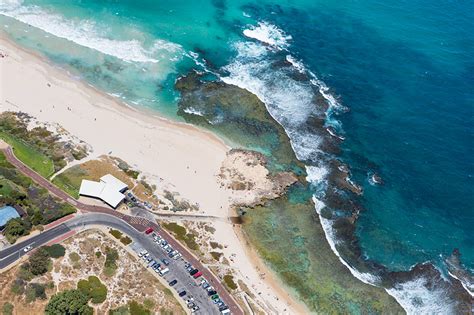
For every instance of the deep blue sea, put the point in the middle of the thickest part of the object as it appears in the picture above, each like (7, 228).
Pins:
(404, 69)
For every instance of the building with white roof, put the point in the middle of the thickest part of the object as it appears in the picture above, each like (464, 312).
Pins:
(109, 189)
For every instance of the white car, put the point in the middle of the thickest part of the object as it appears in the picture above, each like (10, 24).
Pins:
(27, 248)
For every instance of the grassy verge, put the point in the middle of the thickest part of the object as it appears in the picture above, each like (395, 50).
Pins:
(70, 180)
(29, 155)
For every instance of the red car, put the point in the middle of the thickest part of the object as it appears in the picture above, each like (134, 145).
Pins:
(197, 275)
(149, 230)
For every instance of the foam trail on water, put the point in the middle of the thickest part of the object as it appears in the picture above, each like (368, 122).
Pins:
(416, 298)
(268, 34)
(88, 34)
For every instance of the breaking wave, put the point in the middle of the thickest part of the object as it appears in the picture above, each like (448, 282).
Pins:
(88, 34)
(268, 34)
(416, 297)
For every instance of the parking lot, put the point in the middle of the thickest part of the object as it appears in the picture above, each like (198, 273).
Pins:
(160, 258)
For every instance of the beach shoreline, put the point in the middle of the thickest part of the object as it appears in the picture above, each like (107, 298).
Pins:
(172, 155)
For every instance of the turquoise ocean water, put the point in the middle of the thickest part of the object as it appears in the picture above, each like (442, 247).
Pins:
(403, 69)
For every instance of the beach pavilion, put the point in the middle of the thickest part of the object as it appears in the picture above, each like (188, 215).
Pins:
(109, 189)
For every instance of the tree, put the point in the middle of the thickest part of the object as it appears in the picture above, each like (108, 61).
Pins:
(15, 228)
(37, 218)
(71, 302)
(94, 289)
(38, 262)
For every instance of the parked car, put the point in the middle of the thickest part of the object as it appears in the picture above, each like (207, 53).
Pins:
(182, 293)
(172, 283)
(165, 261)
(210, 293)
(205, 285)
(164, 271)
(226, 311)
(195, 309)
(193, 272)
(197, 275)
(149, 230)
(215, 297)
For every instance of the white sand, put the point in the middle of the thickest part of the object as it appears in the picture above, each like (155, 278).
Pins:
(174, 156)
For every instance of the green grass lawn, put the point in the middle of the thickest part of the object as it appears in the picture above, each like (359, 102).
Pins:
(29, 155)
(70, 180)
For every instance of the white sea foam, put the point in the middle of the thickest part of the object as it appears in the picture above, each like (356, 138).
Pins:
(193, 111)
(289, 102)
(268, 34)
(417, 297)
(332, 240)
(88, 34)
(469, 287)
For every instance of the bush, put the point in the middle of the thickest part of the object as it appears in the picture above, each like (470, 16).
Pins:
(16, 228)
(137, 309)
(111, 256)
(229, 281)
(98, 254)
(38, 263)
(74, 257)
(7, 308)
(69, 302)
(94, 289)
(182, 235)
(116, 233)
(55, 251)
(126, 240)
(133, 308)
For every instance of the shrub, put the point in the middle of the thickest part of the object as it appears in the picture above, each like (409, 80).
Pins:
(216, 255)
(229, 281)
(15, 228)
(56, 250)
(7, 308)
(116, 233)
(111, 256)
(98, 254)
(137, 309)
(69, 302)
(74, 257)
(18, 286)
(94, 289)
(126, 240)
(181, 234)
(38, 262)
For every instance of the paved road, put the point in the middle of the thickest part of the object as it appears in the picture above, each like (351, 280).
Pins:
(12, 253)
(139, 224)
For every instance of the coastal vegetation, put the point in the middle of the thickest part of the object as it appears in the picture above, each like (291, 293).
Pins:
(132, 308)
(37, 147)
(80, 270)
(182, 234)
(119, 235)
(69, 302)
(94, 289)
(39, 206)
(110, 265)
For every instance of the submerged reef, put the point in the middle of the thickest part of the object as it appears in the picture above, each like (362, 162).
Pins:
(286, 231)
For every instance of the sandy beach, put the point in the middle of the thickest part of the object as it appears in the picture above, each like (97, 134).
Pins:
(173, 156)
